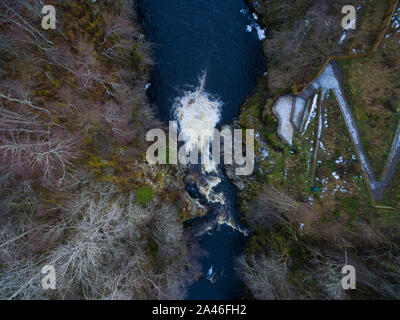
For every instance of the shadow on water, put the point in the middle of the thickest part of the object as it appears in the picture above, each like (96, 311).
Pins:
(190, 37)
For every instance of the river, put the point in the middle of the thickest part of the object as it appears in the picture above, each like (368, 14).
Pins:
(207, 57)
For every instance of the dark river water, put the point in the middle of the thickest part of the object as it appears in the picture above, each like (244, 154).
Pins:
(218, 38)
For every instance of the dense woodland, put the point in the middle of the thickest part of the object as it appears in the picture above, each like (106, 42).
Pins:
(75, 191)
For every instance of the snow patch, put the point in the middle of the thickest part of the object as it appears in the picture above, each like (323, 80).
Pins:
(342, 38)
(335, 175)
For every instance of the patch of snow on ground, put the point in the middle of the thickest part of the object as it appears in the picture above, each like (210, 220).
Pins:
(335, 175)
(341, 189)
(340, 160)
(265, 153)
(396, 20)
(313, 112)
(342, 38)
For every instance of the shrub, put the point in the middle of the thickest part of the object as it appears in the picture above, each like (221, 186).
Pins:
(144, 195)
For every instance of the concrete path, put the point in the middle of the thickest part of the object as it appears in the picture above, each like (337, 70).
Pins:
(331, 79)
(283, 109)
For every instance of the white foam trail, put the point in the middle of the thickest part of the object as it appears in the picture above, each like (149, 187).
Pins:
(207, 190)
(198, 113)
(228, 220)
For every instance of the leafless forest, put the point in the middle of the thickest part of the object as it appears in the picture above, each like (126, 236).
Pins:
(73, 117)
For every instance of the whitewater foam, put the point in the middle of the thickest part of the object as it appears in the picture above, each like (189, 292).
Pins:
(207, 191)
(198, 113)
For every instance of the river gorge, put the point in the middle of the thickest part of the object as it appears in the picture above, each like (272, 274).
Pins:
(207, 57)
